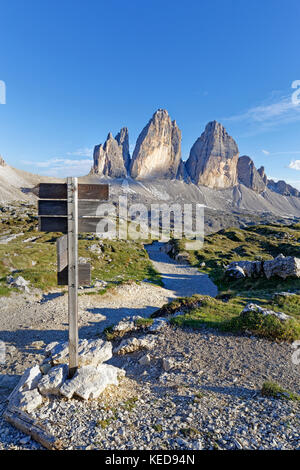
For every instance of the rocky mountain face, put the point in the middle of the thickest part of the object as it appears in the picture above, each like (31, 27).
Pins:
(281, 187)
(112, 158)
(213, 161)
(249, 175)
(258, 181)
(123, 140)
(213, 158)
(157, 153)
(261, 172)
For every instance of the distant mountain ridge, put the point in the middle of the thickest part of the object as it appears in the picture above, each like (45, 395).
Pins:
(213, 161)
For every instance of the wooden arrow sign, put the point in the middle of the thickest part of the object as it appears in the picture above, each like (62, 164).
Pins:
(84, 269)
(85, 191)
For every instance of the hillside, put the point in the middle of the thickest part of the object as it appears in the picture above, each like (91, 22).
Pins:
(15, 184)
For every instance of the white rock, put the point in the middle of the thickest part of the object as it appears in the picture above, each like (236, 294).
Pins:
(95, 248)
(89, 382)
(235, 272)
(28, 381)
(158, 325)
(50, 383)
(264, 311)
(127, 324)
(135, 344)
(29, 401)
(91, 352)
(18, 282)
(282, 266)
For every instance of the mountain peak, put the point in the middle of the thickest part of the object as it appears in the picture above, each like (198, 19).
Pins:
(157, 153)
(112, 158)
(213, 158)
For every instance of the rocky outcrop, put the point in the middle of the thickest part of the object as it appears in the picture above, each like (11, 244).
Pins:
(281, 187)
(281, 266)
(213, 158)
(254, 308)
(262, 174)
(249, 176)
(112, 158)
(123, 140)
(157, 153)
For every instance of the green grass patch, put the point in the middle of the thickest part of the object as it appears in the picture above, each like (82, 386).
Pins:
(273, 390)
(144, 322)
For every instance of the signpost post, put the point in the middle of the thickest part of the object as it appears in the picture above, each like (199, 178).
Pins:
(69, 208)
(73, 274)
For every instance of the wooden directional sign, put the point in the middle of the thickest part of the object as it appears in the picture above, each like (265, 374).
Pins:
(84, 269)
(85, 191)
(84, 275)
(71, 208)
(53, 207)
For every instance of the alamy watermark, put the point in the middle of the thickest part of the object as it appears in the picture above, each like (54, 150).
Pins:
(296, 353)
(296, 94)
(2, 92)
(2, 352)
(160, 222)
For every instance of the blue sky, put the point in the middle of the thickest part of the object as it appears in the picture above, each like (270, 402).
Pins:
(75, 70)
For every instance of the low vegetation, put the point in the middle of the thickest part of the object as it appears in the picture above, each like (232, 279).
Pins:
(198, 311)
(273, 390)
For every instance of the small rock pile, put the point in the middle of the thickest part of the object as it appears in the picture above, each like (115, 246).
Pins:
(51, 377)
(19, 283)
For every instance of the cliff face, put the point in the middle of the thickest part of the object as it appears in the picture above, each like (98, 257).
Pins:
(281, 187)
(112, 158)
(213, 158)
(249, 176)
(123, 140)
(157, 153)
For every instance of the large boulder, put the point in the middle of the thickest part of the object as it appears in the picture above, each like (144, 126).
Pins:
(213, 158)
(89, 382)
(250, 268)
(157, 153)
(90, 352)
(282, 266)
(235, 272)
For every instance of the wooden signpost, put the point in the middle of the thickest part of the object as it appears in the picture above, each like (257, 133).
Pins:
(71, 208)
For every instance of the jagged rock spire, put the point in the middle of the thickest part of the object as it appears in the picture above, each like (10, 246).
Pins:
(157, 153)
(213, 158)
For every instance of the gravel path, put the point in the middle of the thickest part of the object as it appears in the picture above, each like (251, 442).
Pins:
(181, 279)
